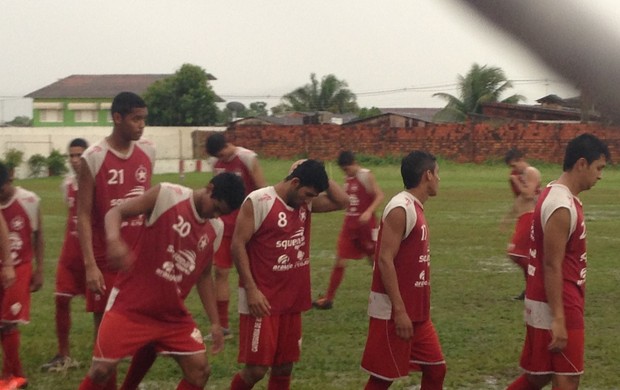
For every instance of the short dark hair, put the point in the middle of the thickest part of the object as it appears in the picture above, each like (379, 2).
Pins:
(78, 143)
(215, 143)
(585, 146)
(414, 165)
(5, 174)
(125, 102)
(229, 188)
(346, 158)
(513, 154)
(311, 173)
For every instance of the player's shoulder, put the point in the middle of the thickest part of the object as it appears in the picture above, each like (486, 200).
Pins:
(26, 195)
(95, 149)
(264, 194)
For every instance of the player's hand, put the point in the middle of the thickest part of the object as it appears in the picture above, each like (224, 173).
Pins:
(36, 281)
(404, 327)
(7, 274)
(364, 217)
(257, 303)
(559, 336)
(118, 255)
(94, 280)
(217, 335)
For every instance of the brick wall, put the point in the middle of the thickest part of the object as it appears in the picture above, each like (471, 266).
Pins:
(469, 142)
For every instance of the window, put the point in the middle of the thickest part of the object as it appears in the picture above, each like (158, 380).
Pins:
(86, 116)
(49, 115)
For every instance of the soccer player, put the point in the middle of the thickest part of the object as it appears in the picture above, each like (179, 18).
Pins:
(271, 250)
(401, 335)
(525, 182)
(70, 274)
(244, 163)
(357, 237)
(112, 171)
(20, 209)
(173, 254)
(554, 297)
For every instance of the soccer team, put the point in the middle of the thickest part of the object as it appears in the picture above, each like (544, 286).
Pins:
(137, 250)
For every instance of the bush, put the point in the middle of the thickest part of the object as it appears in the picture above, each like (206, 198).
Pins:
(37, 164)
(13, 158)
(56, 163)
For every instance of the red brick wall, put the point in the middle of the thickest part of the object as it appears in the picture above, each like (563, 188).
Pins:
(469, 142)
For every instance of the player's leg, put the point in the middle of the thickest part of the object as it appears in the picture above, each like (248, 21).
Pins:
(99, 375)
(375, 383)
(141, 363)
(195, 369)
(248, 377)
(530, 382)
(280, 377)
(565, 382)
(11, 340)
(345, 250)
(222, 294)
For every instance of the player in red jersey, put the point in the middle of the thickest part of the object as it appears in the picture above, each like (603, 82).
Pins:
(70, 274)
(525, 183)
(357, 237)
(7, 271)
(271, 250)
(242, 162)
(114, 170)
(173, 254)
(401, 335)
(22, 214)
(555, 293)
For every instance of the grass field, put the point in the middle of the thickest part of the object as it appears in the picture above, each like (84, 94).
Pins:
(479, 324)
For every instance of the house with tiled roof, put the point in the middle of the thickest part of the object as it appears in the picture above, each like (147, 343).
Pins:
(85, 100)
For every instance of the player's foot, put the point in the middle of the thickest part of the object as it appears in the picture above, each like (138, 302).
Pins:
(60, 363)
(227, 335)
(323, 304)
(14, 383)
(520, 297)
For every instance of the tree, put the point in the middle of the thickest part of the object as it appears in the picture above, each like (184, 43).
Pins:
(330, 94)
(184, 99)
(20, 121)
(366, 112)
(481, 84)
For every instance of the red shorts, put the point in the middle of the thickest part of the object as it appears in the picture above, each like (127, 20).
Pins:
(15, 300)
(120, 336)
(536, 359)
(223, 258)
(356, 242)
(269, 341)
(95, 303)
(70, 273)
(390, 357)
(520, 244)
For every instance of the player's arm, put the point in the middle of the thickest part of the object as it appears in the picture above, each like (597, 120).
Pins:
(38, 246)
(394, 226)
(7, 270)
(257, 174)
(378, 198)
(86, 185)
(334, 198)
(206, 291)
(244, 229)
(556, 233)
(531, 183)
(117, 249)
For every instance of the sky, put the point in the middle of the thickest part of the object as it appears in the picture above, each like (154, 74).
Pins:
(394, 53)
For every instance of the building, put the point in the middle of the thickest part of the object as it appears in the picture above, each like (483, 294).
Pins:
(85, 100)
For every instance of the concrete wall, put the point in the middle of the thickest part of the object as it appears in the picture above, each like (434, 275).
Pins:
(174, 144)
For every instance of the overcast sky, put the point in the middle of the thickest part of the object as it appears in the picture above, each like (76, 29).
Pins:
(393, 53)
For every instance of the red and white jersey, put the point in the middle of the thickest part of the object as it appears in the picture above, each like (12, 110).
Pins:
(360, 192)
(69, 188)
(117, 178)
(279, 253)
(21, 215)
(240, 164)
(538, 313)
(174, 249)
(412, 264)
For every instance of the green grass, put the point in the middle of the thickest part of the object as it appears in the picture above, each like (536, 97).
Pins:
(480, 326)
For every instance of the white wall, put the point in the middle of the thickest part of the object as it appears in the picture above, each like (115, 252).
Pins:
(174, 144)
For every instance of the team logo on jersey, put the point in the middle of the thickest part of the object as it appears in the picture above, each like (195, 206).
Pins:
(166, 271)
(17, 223)
(196, 335)
(141, 174)
(302, 215)
(203, 242)
(16, 308)
(284, 259)
(185, 261)
(15, 245)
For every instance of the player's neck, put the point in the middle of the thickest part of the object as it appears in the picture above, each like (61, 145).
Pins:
(118, 143)
(570, 182)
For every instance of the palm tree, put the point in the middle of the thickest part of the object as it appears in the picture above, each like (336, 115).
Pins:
(330, 94)
(481, 84)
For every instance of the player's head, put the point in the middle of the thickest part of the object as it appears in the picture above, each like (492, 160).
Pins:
(129, 114)
(6, 182)
(226, 192)
(308, 179)
(77, 146)
(216, 143)
(346, 162)
(415, 165)
(512, 155)
(125, 102)
(586, 146)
